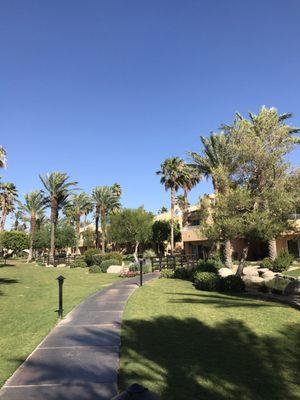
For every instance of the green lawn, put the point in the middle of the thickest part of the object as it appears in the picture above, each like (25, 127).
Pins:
(295, 273)
(28, 301)
(186, 344)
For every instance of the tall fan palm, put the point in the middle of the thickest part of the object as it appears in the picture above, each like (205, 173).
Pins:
(34, 205)
(190, 177)
(8, 196)
(171, 178)
(117, 190)
(106, 202)
(58, 189)
(2, 157)
(217, 162)
(18, 215)
(79, 205)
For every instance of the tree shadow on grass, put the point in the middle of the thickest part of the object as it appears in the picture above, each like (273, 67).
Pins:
(7, 281)
(186, 359)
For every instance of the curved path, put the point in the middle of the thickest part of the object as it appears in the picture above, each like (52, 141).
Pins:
(79, 359)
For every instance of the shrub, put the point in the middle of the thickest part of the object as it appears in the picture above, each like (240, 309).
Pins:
(149, 253)
(95, 269)
(128, 257)
(14, 240)
(129, 274)
(209, 265)
(232, 283)
(134, 267)
(113, 255)
(282, 262)
(181, 273)
(88, 255)
(266, 263)
(147, 268)
(97, 259)
(79, 262)
(107, 263)
(208, 281)
(167, 273)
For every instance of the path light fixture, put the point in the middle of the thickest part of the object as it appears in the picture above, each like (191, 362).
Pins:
(136, 392)
(141, 261)
(60, 280)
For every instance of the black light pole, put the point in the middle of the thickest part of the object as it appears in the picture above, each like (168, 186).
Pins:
(141, 271)
(60, 280)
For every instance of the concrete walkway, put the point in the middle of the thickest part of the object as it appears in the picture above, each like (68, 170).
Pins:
(79, 359)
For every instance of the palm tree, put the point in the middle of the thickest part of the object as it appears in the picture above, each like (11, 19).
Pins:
(117, 190)
(8, 195)
(218, 163)
(2, 157)
(18, 215)
(190, 178)
(106, 201)
(58, 189)
(34, 206)
(171, 178)
(79, 205)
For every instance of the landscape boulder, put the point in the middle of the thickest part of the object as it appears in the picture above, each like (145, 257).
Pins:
(253, 281)
(115, 269)
(268, 275)
(223, 272)
(250, 271)
(293, 288)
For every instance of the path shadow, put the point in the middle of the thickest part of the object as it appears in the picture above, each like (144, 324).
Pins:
(186, 359)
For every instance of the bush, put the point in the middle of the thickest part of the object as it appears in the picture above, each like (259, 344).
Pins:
(107, 263)
(95, 269)
(209, 265)
(167, 273)
(97, 259)
(128, 257)
(181, 273)
(134, 267)
(149, 253)
(266, 263)
(88, 255)
(79, 262)
(282, 262)
(208, 281)
(113, 255)
(14, 240)
(232, 283)
(147, 268)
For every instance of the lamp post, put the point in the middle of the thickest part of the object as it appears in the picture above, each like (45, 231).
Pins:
(141, 271)
(60, 280)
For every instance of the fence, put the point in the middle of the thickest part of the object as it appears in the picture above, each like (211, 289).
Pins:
(58, 259)
(172, 262)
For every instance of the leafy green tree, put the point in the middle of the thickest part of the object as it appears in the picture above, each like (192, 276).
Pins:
(131, 227)
(8, 197)
(65, 236)
(58, 189)
(34, 205)
(172, 178)
(261, 144)
(89, 237)
(106, 202)
(161, 233)
(14, 240)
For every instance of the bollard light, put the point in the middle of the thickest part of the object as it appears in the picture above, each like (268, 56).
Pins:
(136, 392)
(141, 260)
(60, 280)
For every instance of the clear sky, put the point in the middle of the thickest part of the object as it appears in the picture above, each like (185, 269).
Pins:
(107, 89)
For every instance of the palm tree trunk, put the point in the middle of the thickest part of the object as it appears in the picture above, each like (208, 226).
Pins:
(185, 210)
(103, 229)
(77, 251)
(173, 201)
(53, 219)
(228, 254)
(272, 246)
(243, 259)
(4, 214)
(31, 237)
(16, 224)
(97, 228)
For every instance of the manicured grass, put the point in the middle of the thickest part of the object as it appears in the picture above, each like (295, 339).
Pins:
(28, 304)
(295, 272)
(187, 344)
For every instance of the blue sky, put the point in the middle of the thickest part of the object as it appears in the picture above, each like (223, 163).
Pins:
(106, 90)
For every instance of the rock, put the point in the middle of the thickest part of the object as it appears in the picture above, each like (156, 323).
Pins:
(253, 281)
(223, 272)
(268, 275)
(234, 268)
(115, 269)
(262, 270)
(49, 266)
(293, 288)
(250, 271)
(61, 266)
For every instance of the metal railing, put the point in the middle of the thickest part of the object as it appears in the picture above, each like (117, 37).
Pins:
(172, 262)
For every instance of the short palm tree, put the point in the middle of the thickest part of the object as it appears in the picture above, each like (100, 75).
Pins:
(171, 178)
(217, 162)
(106, 202)
(79, 205)
(2, 157)
(190, 178)
(34, 206)
(18, 215)
(58, 189)
(8, 196)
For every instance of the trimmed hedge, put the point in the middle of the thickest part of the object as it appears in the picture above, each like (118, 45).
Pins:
(208, 281)
(232, 283)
